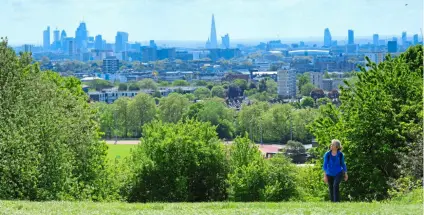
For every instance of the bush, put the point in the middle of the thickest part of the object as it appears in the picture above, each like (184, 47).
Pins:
(254, 179)
(50, 147)
(178, 162)
(310, 184)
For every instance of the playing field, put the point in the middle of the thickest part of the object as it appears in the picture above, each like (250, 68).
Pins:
(119, 151)
(64, 208)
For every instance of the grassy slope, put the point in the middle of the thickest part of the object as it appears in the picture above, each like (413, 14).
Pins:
(24, 207)
(119, 151)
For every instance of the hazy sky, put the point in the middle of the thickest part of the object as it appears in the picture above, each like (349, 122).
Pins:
(23, 21)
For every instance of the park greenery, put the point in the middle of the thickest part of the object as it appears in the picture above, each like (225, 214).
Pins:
(51, 147)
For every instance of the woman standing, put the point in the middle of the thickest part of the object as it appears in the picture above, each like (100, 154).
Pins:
(334, 169)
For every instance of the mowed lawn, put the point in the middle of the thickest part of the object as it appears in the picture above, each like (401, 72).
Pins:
(119, 151)
(89, 208)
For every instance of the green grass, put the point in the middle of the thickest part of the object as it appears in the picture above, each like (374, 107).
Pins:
(119, 151)
(25, 207)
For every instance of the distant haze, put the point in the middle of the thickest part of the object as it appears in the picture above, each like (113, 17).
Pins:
(23, 21)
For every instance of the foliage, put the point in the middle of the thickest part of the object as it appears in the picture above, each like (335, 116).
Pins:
(303, 80)
(122, 87)
(134, 87)
(49, 140)
(254, 179)
(306, 89)
(307, 102)
(218, 91)
(323, 101)
(219, 115)
(180, 83)
(122, 116)
(379, 117)
(202, 93)
(310, 184)
(178, 162)
(142, 109)
(99, 84)
(173, 107)
(148, 84)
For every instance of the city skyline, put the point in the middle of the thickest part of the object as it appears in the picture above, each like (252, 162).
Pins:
(237, 19)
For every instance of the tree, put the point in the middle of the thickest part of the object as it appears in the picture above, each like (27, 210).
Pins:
(143, 110)
(105, 117)
(173, 107)
(134, 87)
(323, 101)
(262, 85)
(307, 102)
(219, 115)
(122, 87)
(202, 93)
(379, 119)
(50, 141)
(234, 91)
(306, 89)
(317, 93)
(242, 84)
(218, 91)
(180, 83)
(148, 84)
(271, 86)
(122, 116)
(178, 162)
(303, 80)
(249, 119)
(99, 84)
(276, 123)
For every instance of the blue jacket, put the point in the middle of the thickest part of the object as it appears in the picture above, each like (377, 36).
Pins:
(333, 165)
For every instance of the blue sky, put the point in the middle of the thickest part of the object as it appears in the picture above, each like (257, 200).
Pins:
(23, 21)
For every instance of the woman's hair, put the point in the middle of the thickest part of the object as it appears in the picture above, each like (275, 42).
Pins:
(337, 144)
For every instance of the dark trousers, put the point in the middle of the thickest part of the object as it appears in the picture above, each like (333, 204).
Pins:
(333, 187)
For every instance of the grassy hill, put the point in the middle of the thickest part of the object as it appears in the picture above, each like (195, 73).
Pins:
(25, 207)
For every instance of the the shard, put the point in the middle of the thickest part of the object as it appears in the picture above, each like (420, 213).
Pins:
(213, 39)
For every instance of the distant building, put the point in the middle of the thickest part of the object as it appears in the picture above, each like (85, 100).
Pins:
(216, 54)
(110, 64)
(81, 38)
(56, 35)
(213, 42)
(375, 38)
(415, 39)
(351, 38)
(352, 48)
(166, 54)
(316, 79)
(148, 54)
(382, 42)
(404, 39)
(392, 46)
(98, 42)
(27, 48)
(327, 84)
(152, 44)
(327, 38)
(46, 39)
(226, 41)
(376, 57)
(286, 80)
(121, 40)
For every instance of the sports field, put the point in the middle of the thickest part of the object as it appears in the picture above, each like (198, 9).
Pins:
(119, 151)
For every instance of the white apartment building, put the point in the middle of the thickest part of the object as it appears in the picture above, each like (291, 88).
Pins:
(316, 79)
(286, 80)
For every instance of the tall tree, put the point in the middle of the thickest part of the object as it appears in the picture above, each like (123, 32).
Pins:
(173, 107)
(142, 109)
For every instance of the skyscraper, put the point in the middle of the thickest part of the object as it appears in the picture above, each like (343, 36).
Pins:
(226, 41)
(121, 40)
(327, 38)
(375, 39)
(46, 39)
(213, 39)
(392, 46)
(56, 35)
(415, 39)
(351, 39)
(404, 38)
(62, 35)
(98, 42)
(81, 37)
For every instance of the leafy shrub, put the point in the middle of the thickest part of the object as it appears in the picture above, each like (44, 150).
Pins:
(178, 162)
